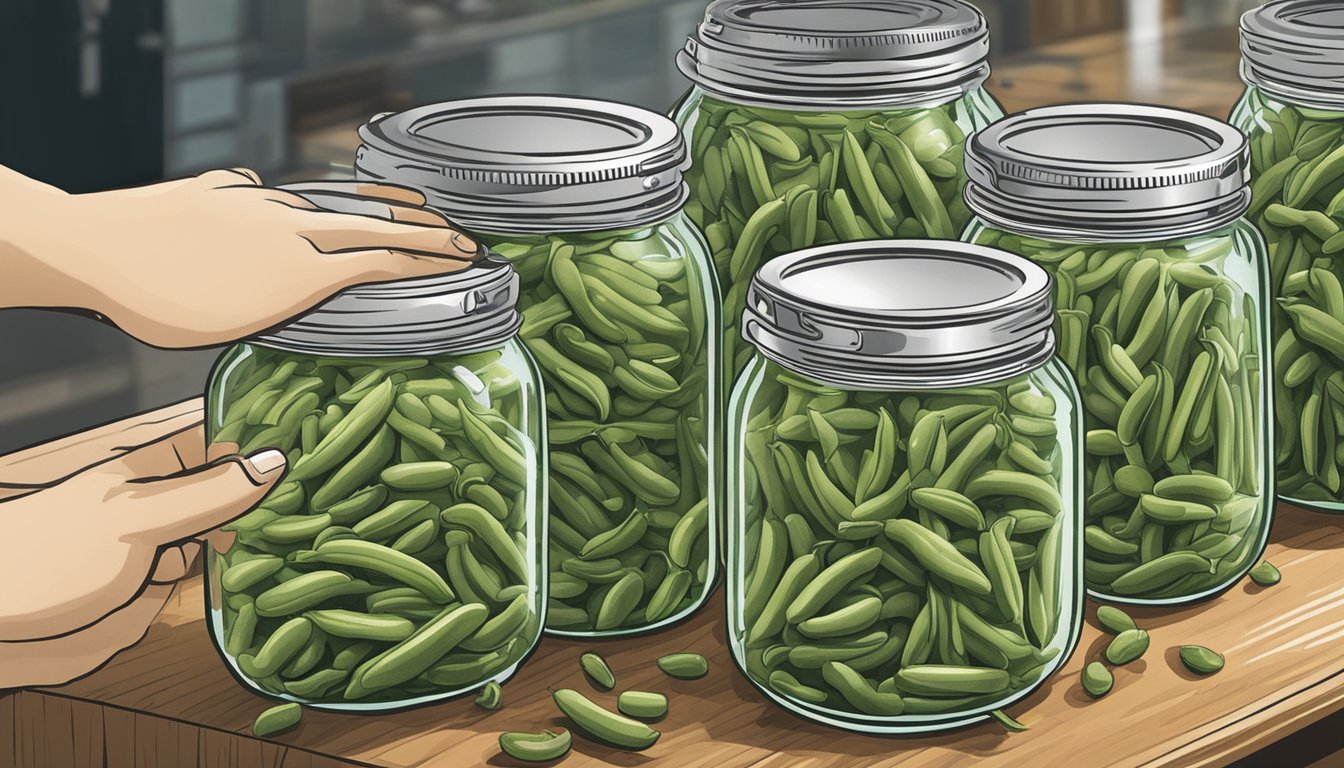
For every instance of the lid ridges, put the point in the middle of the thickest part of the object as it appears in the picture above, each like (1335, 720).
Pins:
(1296, 59)
(733, 54)
(1124, 171)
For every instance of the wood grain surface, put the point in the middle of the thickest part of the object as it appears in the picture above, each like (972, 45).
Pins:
(170, 701)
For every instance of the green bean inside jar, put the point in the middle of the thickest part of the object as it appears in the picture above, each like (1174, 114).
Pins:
(1159, 286)
(1293, 116)
(904, 548)
(400, 560)
(824, 121)
(620, 309)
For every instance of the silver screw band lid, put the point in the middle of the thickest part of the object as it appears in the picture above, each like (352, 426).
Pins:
(464, 311)
(1108, 172)
(1294, 49)
(532, 163)
(835, 54)
(902, 314)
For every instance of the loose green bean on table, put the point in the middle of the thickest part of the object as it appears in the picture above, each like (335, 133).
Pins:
(390, 563)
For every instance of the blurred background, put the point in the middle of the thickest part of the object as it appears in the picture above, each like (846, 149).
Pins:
(100, 94)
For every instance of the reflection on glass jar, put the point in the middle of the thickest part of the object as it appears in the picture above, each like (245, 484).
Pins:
(1293, 116)
(904, 543)
(1161, 301)
(400, 560)
(822, 122)
(620, 310)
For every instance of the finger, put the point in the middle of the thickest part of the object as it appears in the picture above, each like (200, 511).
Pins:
(339, 232)
(220, 541)
(174, 562)
(230, 177)
(389, 192)
(216, 451)
(59, 660)
(50, 463)
(330, 203)
(188, 504)
(168, 455)
(381, 265)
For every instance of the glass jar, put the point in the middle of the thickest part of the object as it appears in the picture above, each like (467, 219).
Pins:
(412, 510)
(1136, 212)
(823, 121)
(620, 309)
(1293, 115)
(904, 548)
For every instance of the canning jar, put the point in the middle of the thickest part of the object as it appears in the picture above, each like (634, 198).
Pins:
(1293, 115)
(1159, 285)
(620, 309)
(823, 121)
(400, 560)
(904, 548)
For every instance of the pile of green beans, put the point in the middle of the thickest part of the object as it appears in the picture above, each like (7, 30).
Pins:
(767, 181)
(1164, 341)
(620, 323)
(1297, 159)
(903, 552)
(398, 557)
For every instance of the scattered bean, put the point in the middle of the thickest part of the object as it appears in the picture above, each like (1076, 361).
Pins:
(1200, 660)
(277, 719)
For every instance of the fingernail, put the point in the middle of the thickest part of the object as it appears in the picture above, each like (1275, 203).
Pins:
(267, 461)
(466, 244)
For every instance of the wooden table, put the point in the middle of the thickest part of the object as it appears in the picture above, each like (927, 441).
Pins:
(168, 701)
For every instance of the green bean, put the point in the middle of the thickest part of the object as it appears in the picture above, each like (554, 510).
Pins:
(642, 705)
(492, 696)
(920, 573)
(1200, 660)
(1097, 679)
(1127, 646)
(412, 656)
(277, 719)
(351, 546)
(1114, 620)
(603, 725)
(684, 666)
(597, 670)
(535, 747)
(1164, 340)
(1265, 574)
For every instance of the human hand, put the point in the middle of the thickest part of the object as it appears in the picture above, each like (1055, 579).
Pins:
(90, 560)
(214, 258)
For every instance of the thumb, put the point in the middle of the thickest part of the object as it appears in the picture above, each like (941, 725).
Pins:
(201, 499)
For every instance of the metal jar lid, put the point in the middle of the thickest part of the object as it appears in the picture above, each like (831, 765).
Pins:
(464, 311)
(837, 54)
(532, 163)
(902, 314)
(1098, 172)
(1295, 49)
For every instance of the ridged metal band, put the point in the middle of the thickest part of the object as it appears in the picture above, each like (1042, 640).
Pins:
(1294, 50)
(838, 54)
(1124, 172)
(532, 163)
(902, 314)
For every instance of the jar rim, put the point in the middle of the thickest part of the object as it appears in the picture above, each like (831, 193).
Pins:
(902, 314)
(829, 55)
(532, 163)
(1294, 49)
(1108, 171)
